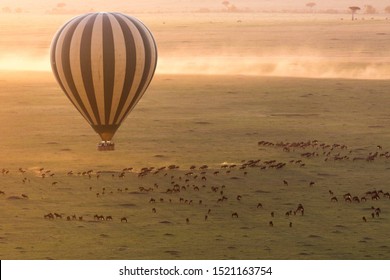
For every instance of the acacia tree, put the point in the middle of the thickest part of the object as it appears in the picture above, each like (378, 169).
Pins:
(230, 7)
(369, 9)
(226, 4)
(311, 5)
(354, 9)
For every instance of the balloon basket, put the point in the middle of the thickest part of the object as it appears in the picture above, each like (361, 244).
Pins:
(106, 146)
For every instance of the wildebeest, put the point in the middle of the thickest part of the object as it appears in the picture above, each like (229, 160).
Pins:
(49, 216)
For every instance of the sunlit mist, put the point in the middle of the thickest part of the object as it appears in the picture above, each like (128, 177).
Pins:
(218, 42)
(288, 66)
(24, 62)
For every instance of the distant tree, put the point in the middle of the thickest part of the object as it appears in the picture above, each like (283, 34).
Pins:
(369, 9)
(354, 9)
(61, 5)
(226, 4)
(233, 8)
(311, 5)
(230, 7)
(387, 9)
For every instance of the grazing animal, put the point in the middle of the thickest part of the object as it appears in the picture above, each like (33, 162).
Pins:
(364, 219)
(333, 199)
(375, 196)
(347, 199)
(187, 221)
(311, 183)
(205, 217)
(239, 197)
(272, 214)
(49, 216)
(356, 199)
(290, 225)
(300, 209)
(123, 219)
(25, 196)
(58, 215)
(154, 210)
(235, 215)
(259, 205)
(271, 224)
(285, 182)
(109, 218)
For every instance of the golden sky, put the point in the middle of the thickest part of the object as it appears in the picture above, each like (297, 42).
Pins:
(177, 5)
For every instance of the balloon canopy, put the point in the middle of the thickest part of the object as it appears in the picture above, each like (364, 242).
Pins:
(104, 63)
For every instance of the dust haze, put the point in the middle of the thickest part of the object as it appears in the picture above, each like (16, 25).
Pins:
(24, 61)
(309, 64)
(255, 44)
(278, 65)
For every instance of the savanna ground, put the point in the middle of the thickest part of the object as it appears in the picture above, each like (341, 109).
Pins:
(337, 130)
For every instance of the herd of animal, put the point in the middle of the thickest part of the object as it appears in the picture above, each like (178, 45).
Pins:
(181, 185)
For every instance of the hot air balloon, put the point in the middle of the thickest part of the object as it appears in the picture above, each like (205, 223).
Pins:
(104, 62)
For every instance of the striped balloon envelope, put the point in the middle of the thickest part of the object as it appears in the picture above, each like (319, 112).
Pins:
(104, 62)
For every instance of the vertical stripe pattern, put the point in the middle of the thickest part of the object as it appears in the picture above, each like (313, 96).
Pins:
(104, 63)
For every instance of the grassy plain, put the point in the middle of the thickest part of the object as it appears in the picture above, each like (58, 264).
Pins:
(188, 118)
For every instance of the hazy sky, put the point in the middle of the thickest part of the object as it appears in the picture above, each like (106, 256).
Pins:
(182, 5)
